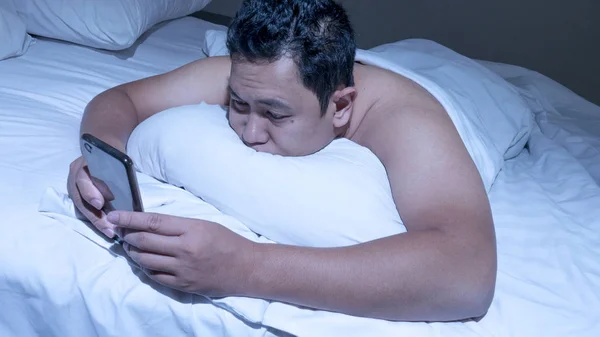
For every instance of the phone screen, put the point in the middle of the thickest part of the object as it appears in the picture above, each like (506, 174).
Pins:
(112, 173)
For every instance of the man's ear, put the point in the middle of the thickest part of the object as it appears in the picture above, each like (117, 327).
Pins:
(343, 100)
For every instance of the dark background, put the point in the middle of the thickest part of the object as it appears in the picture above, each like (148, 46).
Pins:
(558, 38)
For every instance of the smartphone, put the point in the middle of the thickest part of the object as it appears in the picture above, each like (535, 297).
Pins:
(113, 173)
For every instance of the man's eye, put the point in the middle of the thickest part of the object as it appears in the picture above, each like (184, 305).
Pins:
(275, 116)
(239, 105)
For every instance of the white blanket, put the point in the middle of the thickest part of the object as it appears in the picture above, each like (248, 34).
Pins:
(548, 279)
(491, 117)
(562, 115)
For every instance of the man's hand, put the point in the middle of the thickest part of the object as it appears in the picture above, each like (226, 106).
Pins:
(190, 255)
(87, 198)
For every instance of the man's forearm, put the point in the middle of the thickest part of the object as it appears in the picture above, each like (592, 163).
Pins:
(110, 116)
(416, 276)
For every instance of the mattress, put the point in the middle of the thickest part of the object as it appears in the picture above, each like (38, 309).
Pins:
(56, 282)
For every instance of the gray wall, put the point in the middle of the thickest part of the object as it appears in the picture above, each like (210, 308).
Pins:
(223, 7)
(558, 38)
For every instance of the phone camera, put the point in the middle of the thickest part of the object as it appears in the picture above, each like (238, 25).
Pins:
(88, 147)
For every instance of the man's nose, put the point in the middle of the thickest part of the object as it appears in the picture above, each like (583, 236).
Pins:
(255, 131)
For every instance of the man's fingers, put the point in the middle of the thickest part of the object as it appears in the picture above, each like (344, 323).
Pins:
(72, 188)
(76, 186)
(103, 225)
(92, 210)
(148, 222)
(166, 279)
(89, 192)
(96, 217)
(152, 243)
(151, 261)
(160, 268)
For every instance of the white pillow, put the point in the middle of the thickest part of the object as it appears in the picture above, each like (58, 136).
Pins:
(215, 43)
(14, 39)
(338, 196)
(105, 24)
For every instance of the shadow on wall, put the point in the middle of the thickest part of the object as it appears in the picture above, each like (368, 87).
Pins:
(557, 38)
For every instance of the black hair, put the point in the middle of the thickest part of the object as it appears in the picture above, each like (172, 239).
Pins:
(316, 34)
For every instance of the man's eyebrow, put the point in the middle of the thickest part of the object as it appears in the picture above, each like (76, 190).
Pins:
(233, 93)
(274, 103)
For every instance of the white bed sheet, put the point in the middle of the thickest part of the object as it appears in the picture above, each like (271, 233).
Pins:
(55, 282)
(563, 116)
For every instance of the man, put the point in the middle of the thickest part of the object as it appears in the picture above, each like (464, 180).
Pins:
(291, 86)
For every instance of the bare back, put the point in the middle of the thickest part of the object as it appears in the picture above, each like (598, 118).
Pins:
(433, 178)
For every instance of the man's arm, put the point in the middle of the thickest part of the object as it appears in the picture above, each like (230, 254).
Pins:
(443, 268)
(113, 114)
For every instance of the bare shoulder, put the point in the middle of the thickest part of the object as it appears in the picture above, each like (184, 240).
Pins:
(432, 176)
(216, 65)
(397, 108)
(203, 80)
(384, 88)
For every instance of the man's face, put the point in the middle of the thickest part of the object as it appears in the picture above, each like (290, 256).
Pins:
(271, 111)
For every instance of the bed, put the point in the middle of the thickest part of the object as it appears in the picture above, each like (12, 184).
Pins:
(56, 281)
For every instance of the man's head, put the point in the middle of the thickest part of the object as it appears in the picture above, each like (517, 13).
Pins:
(292, 74)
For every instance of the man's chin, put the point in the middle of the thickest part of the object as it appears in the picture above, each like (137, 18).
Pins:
(293, 153)
(296, 154)
(277, 153)
(265, 150)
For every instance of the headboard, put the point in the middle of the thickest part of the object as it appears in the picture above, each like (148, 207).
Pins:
(558, 38)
